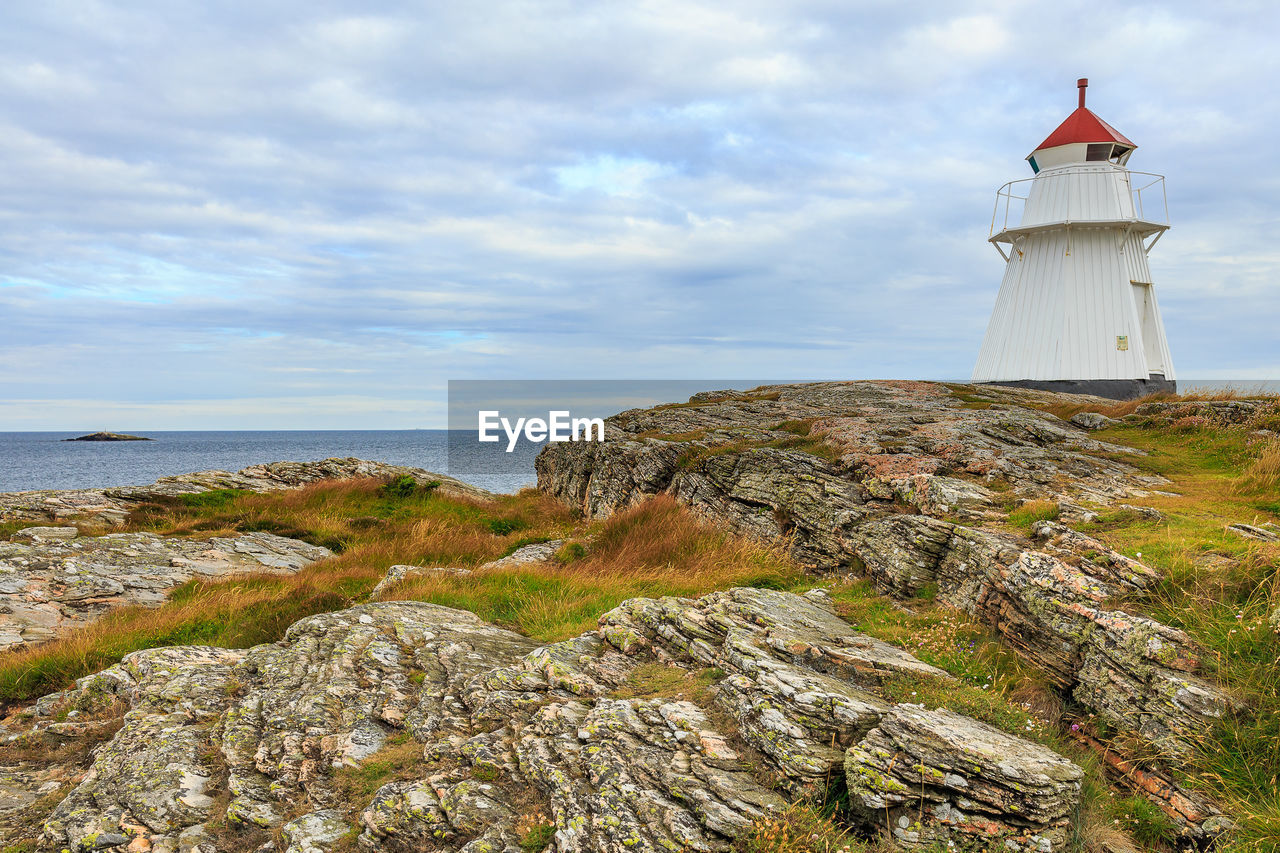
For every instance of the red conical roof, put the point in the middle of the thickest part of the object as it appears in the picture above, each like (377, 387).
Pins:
(1083, 126)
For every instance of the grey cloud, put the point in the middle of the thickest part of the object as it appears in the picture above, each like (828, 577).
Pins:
(282, 201)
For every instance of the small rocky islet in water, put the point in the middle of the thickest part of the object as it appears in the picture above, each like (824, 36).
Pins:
(109, 436)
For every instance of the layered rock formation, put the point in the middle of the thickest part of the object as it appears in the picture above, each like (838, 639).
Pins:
(53, 580)
(886, 445)
(906, 482)
(111, 506)
(783, 698)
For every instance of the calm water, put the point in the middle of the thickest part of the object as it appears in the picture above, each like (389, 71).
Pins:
(42, 460)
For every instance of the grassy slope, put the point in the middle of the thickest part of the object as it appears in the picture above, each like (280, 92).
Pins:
(1220, 588)
(658, 549)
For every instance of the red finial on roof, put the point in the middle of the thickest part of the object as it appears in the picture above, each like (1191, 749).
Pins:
(1082, 84)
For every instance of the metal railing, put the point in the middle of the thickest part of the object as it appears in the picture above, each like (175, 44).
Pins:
(1148, 201)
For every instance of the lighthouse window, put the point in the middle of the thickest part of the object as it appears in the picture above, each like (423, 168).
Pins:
(1099, 151)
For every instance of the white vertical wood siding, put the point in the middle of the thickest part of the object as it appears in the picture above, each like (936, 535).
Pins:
(1067, 293)
(1077, 193)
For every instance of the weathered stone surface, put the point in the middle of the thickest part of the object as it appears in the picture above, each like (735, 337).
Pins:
(1050, 604)
(315, 832)
(937, 775)
(332, 690)
(1265, 533)
(952, 455)
(1198, 820)
(891, 439)
(153, 779)
(111, 506)
(506, 728)
(37, 534)
(536, 553)
(1146, 513)
(1092, 420)
(400, 572)
(52, 581)
(1208, 413)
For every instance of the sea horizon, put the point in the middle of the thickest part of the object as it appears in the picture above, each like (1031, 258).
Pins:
(34, 460)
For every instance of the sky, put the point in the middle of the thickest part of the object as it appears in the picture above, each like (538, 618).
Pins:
(311, 214)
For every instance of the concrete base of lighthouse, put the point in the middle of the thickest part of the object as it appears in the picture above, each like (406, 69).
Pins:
(1112, 389)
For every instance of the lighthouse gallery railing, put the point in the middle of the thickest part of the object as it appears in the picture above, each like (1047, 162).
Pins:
(1145, 190)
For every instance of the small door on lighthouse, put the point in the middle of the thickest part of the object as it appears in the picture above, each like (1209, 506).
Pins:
(1145, 309)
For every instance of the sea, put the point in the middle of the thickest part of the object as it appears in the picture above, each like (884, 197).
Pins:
(43, 460)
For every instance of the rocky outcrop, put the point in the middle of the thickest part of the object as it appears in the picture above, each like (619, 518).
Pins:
(108, 436)
(1050, 604)
(936, 775)
(939, 448)
(901, 481)
(1092, 420)
(111, 506)
(475, 728)
(53, 580)
(1258, 413)
(537, 552)
(1269, 532)
(1200, 820)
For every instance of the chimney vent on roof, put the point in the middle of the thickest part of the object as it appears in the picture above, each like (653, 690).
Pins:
(1082, 84)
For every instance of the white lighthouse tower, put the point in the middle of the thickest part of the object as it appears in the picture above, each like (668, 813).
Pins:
(1077, 309)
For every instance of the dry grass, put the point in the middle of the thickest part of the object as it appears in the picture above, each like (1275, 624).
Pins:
(370, 530)
(1127, 407)
(799, 829)
(1263, 474)
(657, 548)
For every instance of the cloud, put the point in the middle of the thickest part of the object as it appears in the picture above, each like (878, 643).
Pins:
(287, 203)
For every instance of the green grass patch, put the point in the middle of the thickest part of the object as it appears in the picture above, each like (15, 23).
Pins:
(968, 399)
(537, 838)
(1025, 516)
(1220, 589)
(213, 501)
(658, 680)
(399, 759)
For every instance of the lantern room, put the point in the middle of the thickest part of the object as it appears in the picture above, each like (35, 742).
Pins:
(1082, 138)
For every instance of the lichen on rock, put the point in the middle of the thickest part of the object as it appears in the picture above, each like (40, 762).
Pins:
(499, 726)
(52, 580)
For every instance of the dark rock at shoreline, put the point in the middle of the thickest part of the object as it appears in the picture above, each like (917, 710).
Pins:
(109, 436)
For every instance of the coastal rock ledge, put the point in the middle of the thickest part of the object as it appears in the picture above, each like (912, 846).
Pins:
(911, 484)
(112, 506)
(53, 580)
(480, 735)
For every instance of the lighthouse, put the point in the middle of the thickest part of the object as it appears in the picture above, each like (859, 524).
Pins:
(1077, 308)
